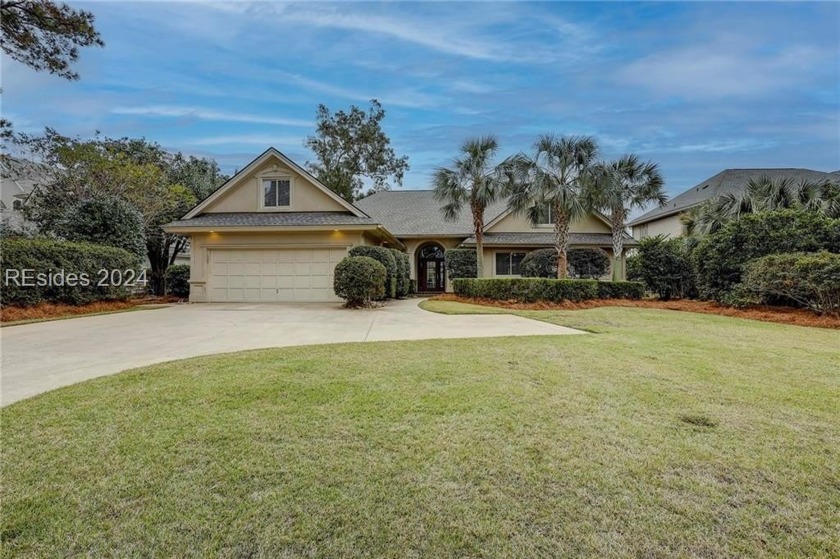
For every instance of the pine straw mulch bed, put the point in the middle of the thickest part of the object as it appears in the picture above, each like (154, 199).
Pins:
(783, 315)
(47, 311)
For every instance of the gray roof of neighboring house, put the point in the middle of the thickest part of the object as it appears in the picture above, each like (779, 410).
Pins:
(730, 181)
(272, 219)
(416, 212)
(547, 239)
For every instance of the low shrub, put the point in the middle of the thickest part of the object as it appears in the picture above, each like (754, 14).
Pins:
(620, 290)
(582, 263)
(810, 280)
(460, 263)
(178, 280)
(359, 280)
(385, 257)
(527, 290)
(38, 271)
(720, 257)
(664, 266)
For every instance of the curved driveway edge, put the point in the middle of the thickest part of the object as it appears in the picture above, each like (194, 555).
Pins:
(43, 356)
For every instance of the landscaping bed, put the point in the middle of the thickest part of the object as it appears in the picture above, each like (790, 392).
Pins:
(781, 315)
(53, 311)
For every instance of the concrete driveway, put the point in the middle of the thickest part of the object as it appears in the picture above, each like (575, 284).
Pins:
(40, 357)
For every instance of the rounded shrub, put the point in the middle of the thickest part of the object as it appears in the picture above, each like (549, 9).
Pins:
(664, 266)
(385, 257)
(540, 263)
(178, 280)
(810, 280)
(587, 263)
(359, 280)
(104, 220)
(460, 263)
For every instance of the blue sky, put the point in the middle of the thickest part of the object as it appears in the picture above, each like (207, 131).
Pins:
(696, 87)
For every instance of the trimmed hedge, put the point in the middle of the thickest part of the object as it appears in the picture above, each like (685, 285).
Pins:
(178, 280)
(407, 267)
(460, 263)
(359, 280)
(531, 290)
(50, 262)
(810, 280)
(385, 257)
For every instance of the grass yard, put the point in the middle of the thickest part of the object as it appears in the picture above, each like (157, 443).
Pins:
(664, 434)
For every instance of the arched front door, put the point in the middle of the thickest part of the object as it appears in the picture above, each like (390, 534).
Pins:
(430, 273)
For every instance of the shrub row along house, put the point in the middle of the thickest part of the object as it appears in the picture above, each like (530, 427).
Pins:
(273, 232)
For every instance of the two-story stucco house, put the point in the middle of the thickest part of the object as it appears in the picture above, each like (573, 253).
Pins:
(274, 233)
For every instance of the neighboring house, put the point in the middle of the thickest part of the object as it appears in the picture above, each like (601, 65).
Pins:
(666, 221)
(18, 178)
(273, 232)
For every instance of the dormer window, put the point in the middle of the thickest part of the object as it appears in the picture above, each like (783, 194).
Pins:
(277, 192)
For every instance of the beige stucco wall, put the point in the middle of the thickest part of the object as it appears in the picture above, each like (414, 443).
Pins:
(519, 223)
(670, 226)
(201, 244)
(246, 195)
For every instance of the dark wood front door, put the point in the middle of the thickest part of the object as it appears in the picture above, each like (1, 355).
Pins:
(430, 272)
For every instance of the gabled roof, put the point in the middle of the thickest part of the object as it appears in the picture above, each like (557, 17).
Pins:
(267, 154)
(407, 213)
(547, 239)
(730, 181)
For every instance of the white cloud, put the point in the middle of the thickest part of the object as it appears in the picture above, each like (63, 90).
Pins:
(209, 114)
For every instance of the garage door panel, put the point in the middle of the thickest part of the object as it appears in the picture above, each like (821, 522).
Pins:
(273, 274)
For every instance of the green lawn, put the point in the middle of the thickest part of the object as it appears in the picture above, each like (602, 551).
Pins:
(664, 434)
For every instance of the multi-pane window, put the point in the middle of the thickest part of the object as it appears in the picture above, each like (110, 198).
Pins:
(544, 215)
(507, 263)
(277, 193)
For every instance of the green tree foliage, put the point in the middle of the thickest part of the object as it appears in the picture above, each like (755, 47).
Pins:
(351, 147)
(473, 181)
(618, 187)
(460, 263)
(160, 185)
(45, 35)
(720, 257)
(553, 177)
(810, 280)
(104, 220)
(664, 266)
(359, 280)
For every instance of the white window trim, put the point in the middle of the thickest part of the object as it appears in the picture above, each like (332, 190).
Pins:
(506, 251)
(261, 191)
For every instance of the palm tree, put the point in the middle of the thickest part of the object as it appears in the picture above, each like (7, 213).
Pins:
(472, 181)
(616, 188)
(552, 179)
(763, 195)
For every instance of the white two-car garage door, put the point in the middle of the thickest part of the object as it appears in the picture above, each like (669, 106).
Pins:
(239, 275)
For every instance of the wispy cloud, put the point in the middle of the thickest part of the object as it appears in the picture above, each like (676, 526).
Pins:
(249, 140)
(169, 111)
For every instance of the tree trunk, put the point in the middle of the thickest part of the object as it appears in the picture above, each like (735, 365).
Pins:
(561, 240)
(617, 222)
(478, 225)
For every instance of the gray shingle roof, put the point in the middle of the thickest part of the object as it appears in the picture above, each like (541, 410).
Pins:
(269, 219)
(547, 239)
(730, 181)
(416, 212)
